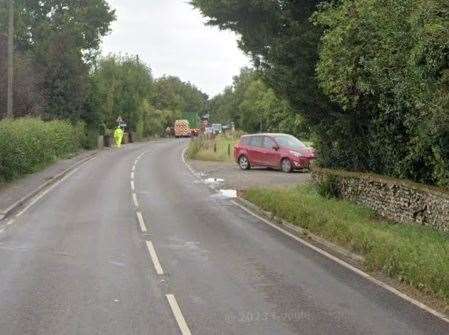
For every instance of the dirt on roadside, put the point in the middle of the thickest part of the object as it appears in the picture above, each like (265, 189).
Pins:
(235, 178)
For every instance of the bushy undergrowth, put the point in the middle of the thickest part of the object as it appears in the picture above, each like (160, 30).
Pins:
(414, 255)
(328, 187)
(27, 144)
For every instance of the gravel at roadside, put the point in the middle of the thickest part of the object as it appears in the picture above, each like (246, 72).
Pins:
(238, 179)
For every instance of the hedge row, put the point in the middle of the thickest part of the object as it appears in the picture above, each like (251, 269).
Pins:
(28, 144)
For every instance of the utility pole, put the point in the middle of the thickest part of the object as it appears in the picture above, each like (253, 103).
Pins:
(9, 109)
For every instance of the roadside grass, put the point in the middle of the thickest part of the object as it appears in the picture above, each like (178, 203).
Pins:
(415, 255)
(219, 149)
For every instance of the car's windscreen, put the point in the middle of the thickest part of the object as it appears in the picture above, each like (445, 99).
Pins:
(289, 141)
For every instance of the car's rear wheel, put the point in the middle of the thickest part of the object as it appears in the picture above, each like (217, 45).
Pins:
(286, 165)
(244, 163)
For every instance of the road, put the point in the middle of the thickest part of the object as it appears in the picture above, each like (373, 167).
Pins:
(80, 261)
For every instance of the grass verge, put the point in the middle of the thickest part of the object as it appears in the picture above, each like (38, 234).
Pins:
(417, 256)
(219, 149)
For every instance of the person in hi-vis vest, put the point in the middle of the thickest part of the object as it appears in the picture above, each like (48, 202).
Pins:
(118, 136)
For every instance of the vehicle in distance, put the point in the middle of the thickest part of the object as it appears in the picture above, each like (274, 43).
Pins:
(217, 128)
(280, 151)
(195, 132)
(182, 128)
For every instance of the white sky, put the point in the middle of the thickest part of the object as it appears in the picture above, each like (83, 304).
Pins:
(170, 36)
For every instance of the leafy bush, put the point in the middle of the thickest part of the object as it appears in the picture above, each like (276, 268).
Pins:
(27, 144)
(153, 122)
(195, 146)
(385, 63)
(329, 187)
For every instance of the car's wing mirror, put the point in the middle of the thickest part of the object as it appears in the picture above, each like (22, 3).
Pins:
(276, 147)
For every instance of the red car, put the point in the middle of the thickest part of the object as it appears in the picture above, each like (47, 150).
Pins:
(281, 151)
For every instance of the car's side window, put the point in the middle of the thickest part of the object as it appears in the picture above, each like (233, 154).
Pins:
(256, 141)
(244, 140)
(268, 143)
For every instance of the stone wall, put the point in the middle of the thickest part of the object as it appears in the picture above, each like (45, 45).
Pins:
(399, 200)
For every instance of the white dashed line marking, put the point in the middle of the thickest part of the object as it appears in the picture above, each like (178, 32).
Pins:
(182, 324)
(132, 175)
(143, 228)
(136, 203)
(132, 185)
(154, 258)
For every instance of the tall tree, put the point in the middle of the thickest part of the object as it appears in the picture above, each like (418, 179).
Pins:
(28, 97)
(369, 76)
(283, 43)
(170, 93)
(121, 86)
(61, 38)
(254, 107)
(387, 64)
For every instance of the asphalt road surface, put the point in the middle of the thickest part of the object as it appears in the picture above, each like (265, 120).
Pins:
(82, 260)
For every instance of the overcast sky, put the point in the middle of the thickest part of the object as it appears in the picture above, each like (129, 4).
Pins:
(171, 37)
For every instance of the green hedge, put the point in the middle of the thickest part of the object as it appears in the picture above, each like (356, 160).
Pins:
(28, 144)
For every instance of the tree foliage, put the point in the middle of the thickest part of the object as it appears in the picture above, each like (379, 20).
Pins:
(254, 107)
(29, 99)
(60, 39)
(370, 77)
(283, 43)
(124, 86)
(387, 65)
(170, 93)
(120, 86)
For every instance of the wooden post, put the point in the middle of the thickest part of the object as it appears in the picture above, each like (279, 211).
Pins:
(10, 94)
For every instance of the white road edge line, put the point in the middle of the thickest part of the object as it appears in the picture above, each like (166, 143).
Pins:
(335, 259)
(143, 228)
(134, 167)
(348, 266)
(132, 185)
(40, 196)
(187, 164)
(132, 175)
(154, 258)
(136, 203)
(182, 324)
